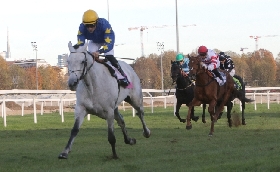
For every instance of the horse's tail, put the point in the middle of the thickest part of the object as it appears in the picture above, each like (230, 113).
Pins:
(240, 94)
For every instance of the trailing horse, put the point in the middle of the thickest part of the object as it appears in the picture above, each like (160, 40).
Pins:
(99, 93)
(184, 92)
(208, 91)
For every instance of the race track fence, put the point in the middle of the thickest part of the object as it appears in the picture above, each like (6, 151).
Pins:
(255, 92)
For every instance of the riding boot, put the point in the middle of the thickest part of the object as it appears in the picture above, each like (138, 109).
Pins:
(124, 81)
(217, 73)
(115, 63)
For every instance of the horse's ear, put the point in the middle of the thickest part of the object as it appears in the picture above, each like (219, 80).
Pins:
(189, 56)
(71, 48)
(171, 62)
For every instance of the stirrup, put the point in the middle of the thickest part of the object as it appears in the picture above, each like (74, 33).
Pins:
(123, 82)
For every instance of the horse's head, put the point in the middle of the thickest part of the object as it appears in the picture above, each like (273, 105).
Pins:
(77, 65)
(195, 66)
(175, 70)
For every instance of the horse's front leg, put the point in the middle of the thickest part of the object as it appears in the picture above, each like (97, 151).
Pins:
(194, 118)
(121, 123)
(80, 113)
(111, 135)
(211, 111)
(193, 103)
(178, 106)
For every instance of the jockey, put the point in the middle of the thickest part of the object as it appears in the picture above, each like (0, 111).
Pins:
(210, 60)
(226, 63)
(102, 39)
(184, 63)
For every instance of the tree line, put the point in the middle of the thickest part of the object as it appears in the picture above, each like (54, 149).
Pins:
(257, 68)
(15, 77)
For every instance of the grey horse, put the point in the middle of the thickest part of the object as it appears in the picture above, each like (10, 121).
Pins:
(98, 93)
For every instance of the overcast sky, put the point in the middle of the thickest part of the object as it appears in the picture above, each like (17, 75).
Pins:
(222, 24)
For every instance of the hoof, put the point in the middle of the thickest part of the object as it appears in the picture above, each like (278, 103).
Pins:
(210, 134)
(204, 121)
(115, 157)
(183, 120)
(63, 156)
(189, 127)
(243, 122)
(132, 141)
(195, 118)
(147, 133)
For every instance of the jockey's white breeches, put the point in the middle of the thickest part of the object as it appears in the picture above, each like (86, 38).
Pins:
(94, 47)
(232, 72)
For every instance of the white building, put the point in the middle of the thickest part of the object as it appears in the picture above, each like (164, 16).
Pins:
(31, 63)
(3, 54)
(62, 60)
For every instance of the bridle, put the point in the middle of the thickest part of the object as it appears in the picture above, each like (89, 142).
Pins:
(84, 70)
(197, 72)
(180, 75)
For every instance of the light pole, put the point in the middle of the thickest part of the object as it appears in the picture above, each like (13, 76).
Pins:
(177, 30)
(160, 47)
(108, 8)
(34, 46)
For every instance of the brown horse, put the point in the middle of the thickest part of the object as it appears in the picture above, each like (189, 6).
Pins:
(208, 91)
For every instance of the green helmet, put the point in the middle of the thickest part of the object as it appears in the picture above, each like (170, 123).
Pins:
(179, 57)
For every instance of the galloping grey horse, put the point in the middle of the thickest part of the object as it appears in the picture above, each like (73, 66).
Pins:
(98, 93)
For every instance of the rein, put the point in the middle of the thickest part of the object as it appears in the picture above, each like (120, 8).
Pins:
(192, 83)
(209, 76)
(85, 69)
(179, 75)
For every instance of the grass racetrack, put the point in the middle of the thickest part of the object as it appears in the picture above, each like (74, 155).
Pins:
(25, 146)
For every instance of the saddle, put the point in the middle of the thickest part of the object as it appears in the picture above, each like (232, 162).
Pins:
(115, 73)
(220, 82)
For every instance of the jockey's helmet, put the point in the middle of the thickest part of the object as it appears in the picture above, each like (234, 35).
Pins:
(222, 56)
(179, 57)
(90, 17)
(202, 50)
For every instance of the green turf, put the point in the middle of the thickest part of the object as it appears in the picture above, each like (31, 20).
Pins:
(25, 146)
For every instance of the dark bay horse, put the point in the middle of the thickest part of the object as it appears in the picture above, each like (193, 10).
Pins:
(208, 91)
(184, 92)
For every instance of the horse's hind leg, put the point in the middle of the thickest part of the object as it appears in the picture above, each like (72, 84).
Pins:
(137, 104)
(203, 113)
(243, 116)
(79, 118)
(229, 108)
(121, 123)
(243, 105)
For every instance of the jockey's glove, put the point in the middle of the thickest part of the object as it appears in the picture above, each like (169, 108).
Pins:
(76, 46)
(204, 66)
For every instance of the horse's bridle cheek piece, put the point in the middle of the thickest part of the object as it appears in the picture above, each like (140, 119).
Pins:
(84, 68)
